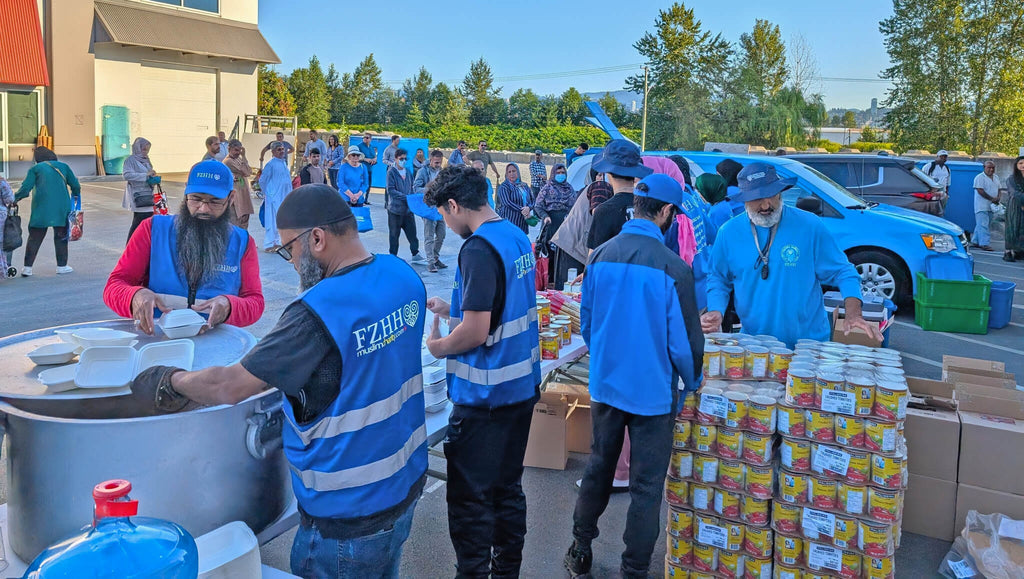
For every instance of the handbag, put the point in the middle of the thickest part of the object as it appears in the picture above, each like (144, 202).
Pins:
(12, 230)
(363, 220)
(263, 214)
(531, 220)
(76, 220)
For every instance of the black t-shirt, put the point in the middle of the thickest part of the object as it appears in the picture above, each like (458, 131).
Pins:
(483, 279)
(609, 217)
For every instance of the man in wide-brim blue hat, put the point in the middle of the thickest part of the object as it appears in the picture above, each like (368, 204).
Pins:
(776, 258)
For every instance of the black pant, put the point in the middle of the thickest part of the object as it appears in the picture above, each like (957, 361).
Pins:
(332, 176)
(486, 505)
(35, 239)
(650, 440)
(398, 223)
(137, 218)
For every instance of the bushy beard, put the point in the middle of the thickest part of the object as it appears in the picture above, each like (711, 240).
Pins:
(765, 220)
(310, 270)
(202, 245)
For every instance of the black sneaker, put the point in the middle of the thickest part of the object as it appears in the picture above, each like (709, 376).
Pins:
(578, 560)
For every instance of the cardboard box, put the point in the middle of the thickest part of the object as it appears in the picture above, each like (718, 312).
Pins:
(856, 337)
(546, 446)
(985, 501)
(967, 365)
(929, 507)
(933, 388)
(933, 442)
(579, 428)
(991, 451)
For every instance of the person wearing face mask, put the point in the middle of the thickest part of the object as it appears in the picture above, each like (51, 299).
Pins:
(355, 435)
(776, 258)
(552, 206)
(493, 376)
(664, 339)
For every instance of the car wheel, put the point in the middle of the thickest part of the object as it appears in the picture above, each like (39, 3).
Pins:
(880, 275)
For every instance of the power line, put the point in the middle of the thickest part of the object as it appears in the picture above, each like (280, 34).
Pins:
(546, 75)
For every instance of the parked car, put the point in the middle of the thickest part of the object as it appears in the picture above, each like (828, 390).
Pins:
(960, 207)
(893, 181)
(888, 245)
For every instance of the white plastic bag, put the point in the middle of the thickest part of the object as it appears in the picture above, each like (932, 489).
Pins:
(996, 543)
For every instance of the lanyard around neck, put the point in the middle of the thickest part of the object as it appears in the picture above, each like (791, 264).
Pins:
(763, 255)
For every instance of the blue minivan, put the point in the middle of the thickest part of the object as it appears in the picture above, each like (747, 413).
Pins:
(888, 245)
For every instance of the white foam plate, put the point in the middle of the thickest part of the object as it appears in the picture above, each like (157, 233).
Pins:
(179, 332)
(177, 353)
(66, 336)
(434, 374)
(90, 337)
(436, 407)
(183, 317)
(426, 358)
(106, 367)
(59, 353)
(59, 379)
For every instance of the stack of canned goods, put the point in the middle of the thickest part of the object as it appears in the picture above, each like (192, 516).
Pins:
(842, 458)
(555, 330)
(740, 357)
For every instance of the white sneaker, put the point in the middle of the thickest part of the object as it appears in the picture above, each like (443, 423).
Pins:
(26, 271)
(64, 269)
(418, 258)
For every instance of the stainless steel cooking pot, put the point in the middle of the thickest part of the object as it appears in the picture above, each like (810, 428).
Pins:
(200, 469)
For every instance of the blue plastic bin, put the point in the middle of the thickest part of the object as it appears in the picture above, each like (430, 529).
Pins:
(1001, 302)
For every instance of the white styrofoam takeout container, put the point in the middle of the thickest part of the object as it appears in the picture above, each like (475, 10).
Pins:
(229, 552)
(117, 366)
(90, 337)
(59, 379)
(177, 324)
(59, 353)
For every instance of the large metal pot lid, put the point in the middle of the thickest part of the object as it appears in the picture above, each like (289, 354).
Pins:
(222, 346)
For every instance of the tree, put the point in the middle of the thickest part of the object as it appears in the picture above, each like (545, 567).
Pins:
(849, 120)
(803, 65)
(481, 95)
(447, 107)
(868, 135)
(615, 110)
(415, 118)
(547, 115)
(417, 89)
(762, 68)
(366, 88)
(272, 95)
(523, 108)
(570, 107)
(312, 100)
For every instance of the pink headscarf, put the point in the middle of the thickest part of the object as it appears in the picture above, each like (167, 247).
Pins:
(665, 166)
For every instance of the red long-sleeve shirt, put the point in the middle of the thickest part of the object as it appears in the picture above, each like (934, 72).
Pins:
(132, 274)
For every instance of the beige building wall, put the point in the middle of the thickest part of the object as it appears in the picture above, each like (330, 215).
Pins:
(70, 110)
(241, 10)
(237, 95)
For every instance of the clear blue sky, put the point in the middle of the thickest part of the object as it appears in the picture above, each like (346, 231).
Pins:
(535, 37)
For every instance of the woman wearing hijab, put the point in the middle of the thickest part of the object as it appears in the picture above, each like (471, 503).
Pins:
(241, 201)
(6, 200)
(554, 201)
(712, 188)
(514, 198)
(50, 179)
(1015, 213)
(140, 180)
(722, 212)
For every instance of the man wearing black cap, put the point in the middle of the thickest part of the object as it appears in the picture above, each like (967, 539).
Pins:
(350, 370)
(664, 339)
(621, 164)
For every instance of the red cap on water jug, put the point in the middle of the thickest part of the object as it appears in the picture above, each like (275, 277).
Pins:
(112, 499)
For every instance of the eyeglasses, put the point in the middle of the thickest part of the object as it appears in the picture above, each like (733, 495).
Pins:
(212, 204)
(286, 253)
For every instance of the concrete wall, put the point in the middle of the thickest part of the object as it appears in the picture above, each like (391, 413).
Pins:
(238, 90)
(70, 111)
(240, 10)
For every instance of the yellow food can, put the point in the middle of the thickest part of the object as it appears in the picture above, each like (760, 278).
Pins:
(734, 534)
(757, 542)
(756, 363)
(789, 550)
(549, 346)
(794, 487)
(681, 464)
(887, 471)
(757, 448)
(878, 567)
(705, 469)
(827, 381)
(760, 568)
(674, 571)
(891, 400)
(874, 539)
(852, 498)
(786, 572)
(681, 434)
(758, 481)
(778, 363)
(796, 454)
(731, 475)
(679, 551)
(859, 470)
(701, 497)
(543, 312)
(676, 491)
(733, 360)
(864, 389)
(705, 558)
(849, 431)
(689, 405)
(761, 414)
(880, 436)
(791, 421)
(754, 511)
(883, 504)
(713, 361)
(727, 504)
(820, 425)
(821, 492)
(736, 415)
(786, 518)
(800, 385)
(852, 566)
(729, 443)
(680, 523)
(730, 563)
(704, 437)
(845, 533)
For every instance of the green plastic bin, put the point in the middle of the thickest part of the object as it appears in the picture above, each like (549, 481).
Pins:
(949, 318)
(973, 294)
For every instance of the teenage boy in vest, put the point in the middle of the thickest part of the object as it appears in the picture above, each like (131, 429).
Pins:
(665, 339)
(196, 259)
(493, 375)
(350, 370)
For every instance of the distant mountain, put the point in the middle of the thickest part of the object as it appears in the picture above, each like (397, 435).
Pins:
(631, 100)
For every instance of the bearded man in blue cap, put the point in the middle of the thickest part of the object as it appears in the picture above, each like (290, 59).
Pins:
(662, 336)
(196, 259)
(776, 258)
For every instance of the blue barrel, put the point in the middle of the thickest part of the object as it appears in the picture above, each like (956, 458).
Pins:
(1001, 302)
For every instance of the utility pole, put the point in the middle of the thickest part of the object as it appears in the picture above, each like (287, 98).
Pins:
(643, 131)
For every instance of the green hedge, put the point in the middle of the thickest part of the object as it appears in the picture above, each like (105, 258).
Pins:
(501, 138)
(825, 144)
(868, 147)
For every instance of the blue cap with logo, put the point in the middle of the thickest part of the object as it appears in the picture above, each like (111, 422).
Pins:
(760, 181)
(660, 187)
(211, 178)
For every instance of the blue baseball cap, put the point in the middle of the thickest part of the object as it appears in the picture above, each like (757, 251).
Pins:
(211, 178)
(760, 181)
(660, 187)
(621, 157)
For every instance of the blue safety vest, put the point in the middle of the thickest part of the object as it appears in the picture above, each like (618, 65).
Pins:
(364, 453)
(165, 277)
(506, 368)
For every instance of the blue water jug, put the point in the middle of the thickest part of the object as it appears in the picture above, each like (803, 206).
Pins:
(118, 546)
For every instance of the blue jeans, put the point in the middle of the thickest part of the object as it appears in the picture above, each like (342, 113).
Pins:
(981, 235)
(376, 555)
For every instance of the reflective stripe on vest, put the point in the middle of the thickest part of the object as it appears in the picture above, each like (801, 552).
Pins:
(496, 376)
(512, 328)
(365, 474)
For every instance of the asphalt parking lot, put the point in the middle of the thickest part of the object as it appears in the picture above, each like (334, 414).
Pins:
(46, 300)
